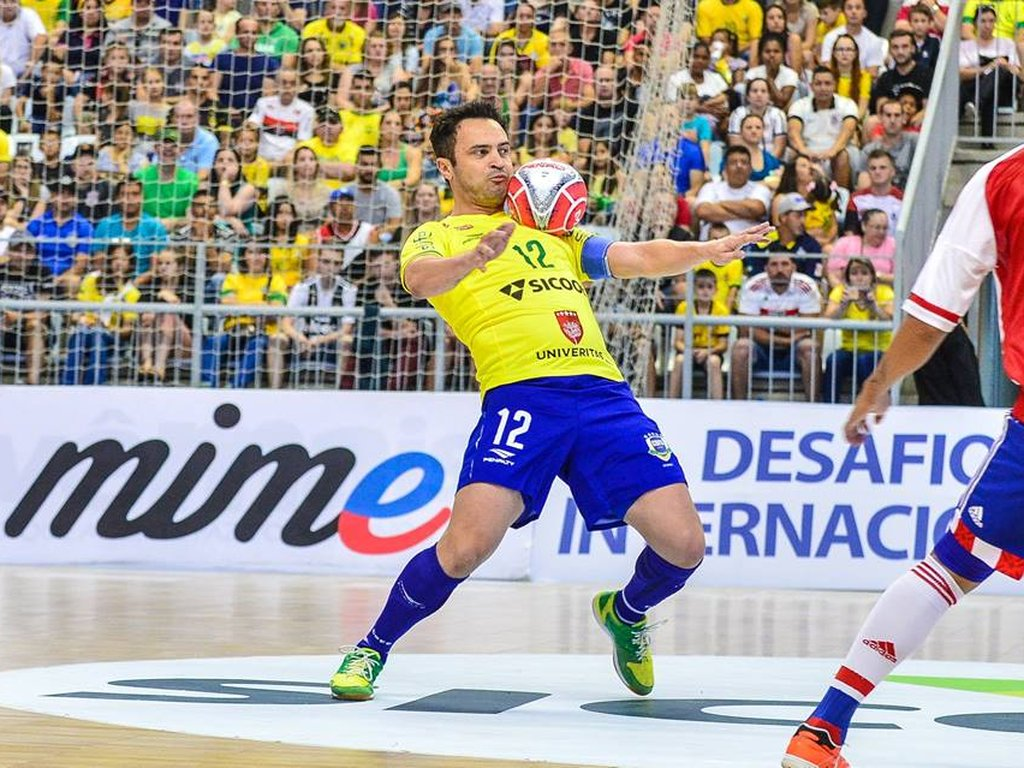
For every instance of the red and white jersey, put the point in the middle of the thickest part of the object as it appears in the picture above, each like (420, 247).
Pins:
(984, 233)
(865, 200)
(757, 297)
(281, 126)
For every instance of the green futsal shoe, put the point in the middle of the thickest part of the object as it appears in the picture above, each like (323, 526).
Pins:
(355, 677)
(631, 656)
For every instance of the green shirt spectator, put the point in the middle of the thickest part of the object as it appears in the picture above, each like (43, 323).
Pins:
(167, 188)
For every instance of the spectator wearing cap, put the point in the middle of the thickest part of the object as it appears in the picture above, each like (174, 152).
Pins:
(346, 231)
(376, 202)
(63, 236)
(341, 36)
(239, 72)
(198, 145)
(92, 190)
(167, 188)
(23, 278)
(146, 233)
(140, 33)
(822, 125)
(283, 119)
(328, 149)
(360, 124)
(22, 37)
(790, 236)
(469, 45)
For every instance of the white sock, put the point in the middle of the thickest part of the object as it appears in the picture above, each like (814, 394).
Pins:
(897, 626)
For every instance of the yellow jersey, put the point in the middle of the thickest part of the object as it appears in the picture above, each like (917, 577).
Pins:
(50, 11)
(744, 19)
(344, 46)
(253, 289)
(844, 86)
(336, 153)
(289, 261)
(866, 340)
(823, 28)
(1009, 16)
(356, 130)
(127, 293)
(729, 276)
(528, 316)
(5, 148)
(705, 336)
(535, 49)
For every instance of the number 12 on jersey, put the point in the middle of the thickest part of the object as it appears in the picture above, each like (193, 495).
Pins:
(522, 418)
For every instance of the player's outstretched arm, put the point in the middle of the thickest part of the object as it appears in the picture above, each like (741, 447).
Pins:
(659, 258)
(914, 343)
(434, 275)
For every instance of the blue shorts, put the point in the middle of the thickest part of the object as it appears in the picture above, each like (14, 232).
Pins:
(777, 359)
(989, 520)
(586, 430)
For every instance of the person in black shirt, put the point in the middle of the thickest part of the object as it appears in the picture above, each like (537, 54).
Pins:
(94, 192)
(906, 72)
(23, 278)
(603, 119)
(591, 42)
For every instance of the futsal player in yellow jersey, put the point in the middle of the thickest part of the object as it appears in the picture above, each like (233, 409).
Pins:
(554, 403)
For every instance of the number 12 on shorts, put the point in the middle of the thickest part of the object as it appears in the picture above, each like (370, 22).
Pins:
(522, 418)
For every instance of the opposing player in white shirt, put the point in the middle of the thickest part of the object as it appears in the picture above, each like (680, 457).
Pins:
(983, 234)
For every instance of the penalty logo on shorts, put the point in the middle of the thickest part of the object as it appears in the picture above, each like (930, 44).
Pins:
(657, 447)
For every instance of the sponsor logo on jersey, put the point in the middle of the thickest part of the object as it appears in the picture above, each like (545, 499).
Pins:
(885, 648)
(570, 323)
(557, 353)
(657, 447)
(517, 288)
(977, 514)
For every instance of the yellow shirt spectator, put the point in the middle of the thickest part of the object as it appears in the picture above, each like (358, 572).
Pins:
(253, 289)
(344, 46)
(336, 153)
(289, 261)
(89, 290)
(536, 48)
(357, 130)
(728, 280)
(1009, 16)
(50, 11)
(705, 336)
(743, 18)
(257, 173)
(5, 148)
(824, 28)
(865, 339)
(845, 86)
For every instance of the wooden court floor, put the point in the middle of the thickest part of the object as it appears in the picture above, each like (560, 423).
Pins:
(51, 616)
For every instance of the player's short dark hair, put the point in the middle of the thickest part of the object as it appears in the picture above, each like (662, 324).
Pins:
(705, 273)
(442, 135)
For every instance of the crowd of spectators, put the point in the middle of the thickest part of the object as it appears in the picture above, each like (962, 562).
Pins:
(277, 152)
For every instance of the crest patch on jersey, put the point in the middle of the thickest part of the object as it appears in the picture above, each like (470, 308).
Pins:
(570, 324)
